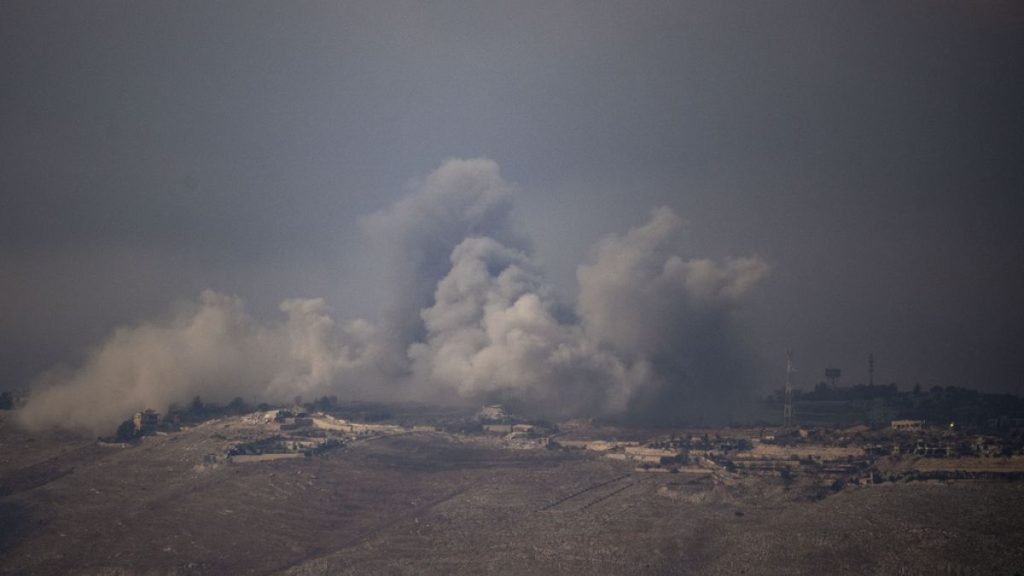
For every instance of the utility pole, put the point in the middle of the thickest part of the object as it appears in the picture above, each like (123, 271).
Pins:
(787, 409)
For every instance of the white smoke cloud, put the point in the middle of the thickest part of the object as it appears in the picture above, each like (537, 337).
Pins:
(491, 330)
(639, 292)
(471, 319)
(321, 358)
(491, 333)
(212, 348)
(642, 300)
(462, 198)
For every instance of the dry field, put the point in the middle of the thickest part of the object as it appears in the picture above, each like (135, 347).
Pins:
(432, 503)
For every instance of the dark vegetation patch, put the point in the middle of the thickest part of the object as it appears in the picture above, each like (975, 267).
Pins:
(14, 524)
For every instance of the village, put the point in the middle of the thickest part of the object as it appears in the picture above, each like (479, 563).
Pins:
(339, 482)
(818, 460)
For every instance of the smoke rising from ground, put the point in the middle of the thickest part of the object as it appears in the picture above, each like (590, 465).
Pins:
(642, 301)
(471, 320)
(491, 333)
(461, 199)
(213, 348)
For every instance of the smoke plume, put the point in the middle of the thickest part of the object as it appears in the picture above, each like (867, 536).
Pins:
(212, 348)
(491, 334)
(642, 301)
(462, 198)
(471, 320)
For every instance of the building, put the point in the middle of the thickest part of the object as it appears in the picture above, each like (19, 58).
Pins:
(492, 412)
(905, 425)
(296, 423)
(145, 422)
(648, 454)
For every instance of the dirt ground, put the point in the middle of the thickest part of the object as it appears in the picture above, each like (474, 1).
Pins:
(432, 503)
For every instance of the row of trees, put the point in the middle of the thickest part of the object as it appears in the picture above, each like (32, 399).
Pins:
(936, 404)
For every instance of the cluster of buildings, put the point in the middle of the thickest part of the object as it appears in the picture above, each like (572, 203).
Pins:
(821, 456)
(825, 458)
(300, 434)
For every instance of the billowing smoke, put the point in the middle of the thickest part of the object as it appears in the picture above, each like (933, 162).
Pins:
(491, 333)
(472, 320)
(211, 348)
(462, 198)
(645, 303)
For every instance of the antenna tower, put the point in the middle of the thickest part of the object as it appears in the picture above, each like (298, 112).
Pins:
(832, 375)
(871, 369)
(787, 409)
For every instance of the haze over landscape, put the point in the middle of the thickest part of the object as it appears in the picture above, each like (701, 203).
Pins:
(580, 207)
(316, 288)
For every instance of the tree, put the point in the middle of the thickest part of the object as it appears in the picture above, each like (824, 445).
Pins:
(126, 431)
(237, 406)
(6, 401)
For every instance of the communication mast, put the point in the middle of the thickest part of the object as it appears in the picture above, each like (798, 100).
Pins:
(832, 375)
(787, 409)
(871, 368)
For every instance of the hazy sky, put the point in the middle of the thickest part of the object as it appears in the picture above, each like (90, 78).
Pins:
(871, 153)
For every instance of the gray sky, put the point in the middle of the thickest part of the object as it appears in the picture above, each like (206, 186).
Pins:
(871, 153)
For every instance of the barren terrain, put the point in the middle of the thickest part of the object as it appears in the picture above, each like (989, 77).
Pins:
(423, 502)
